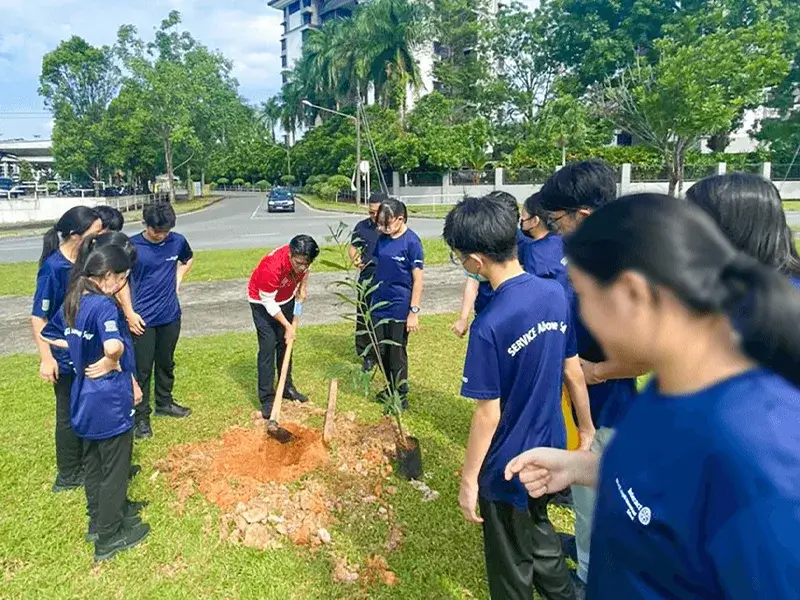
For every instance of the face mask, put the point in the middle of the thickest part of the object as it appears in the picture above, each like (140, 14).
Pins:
(476, 277)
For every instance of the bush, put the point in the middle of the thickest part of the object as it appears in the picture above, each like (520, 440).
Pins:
(52, 187)
(262, 185)
(248, 185)
(223, 181)
(212, 186)
(238, 181)
(288, 179)
(315, 179)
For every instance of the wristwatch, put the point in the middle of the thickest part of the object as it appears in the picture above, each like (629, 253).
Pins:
(415, 310)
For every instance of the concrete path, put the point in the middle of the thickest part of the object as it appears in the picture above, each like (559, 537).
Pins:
(221, 306)
(238, 221)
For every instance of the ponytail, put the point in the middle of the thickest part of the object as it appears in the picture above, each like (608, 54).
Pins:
(78, 286)
(76, 221)
(94, 260)
(764, 308)
(49, 244)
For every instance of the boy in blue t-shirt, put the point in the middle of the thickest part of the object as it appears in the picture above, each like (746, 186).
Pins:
(513, 369)
(154, 314)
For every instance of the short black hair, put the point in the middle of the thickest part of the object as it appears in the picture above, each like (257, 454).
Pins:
(586, 184)
(533, 206)
(486, 225)
(391, 208)
(112, 218)
(510, 199)
(159, 215)
(304, 245)
(378, 197)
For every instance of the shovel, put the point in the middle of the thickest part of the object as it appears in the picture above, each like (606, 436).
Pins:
(284, 436)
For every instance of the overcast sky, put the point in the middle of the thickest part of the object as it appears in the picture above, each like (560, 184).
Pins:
(245, 31)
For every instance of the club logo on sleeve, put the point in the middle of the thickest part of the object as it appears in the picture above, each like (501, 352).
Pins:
(172, 258)
(45, 305)
(110, 326)
(634, 508)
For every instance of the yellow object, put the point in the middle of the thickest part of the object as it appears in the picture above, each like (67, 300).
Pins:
(573, 438)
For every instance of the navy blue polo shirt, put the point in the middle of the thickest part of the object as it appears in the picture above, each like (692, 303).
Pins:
(100, 408)
(51, 287)
(699, 495)
(609, 400)
(365, 238)
(154, 278)
(395, 260)
(516, 353)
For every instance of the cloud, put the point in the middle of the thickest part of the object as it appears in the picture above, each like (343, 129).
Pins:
(247, 32)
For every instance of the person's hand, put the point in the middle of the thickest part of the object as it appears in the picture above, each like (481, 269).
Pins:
(590, 373)
(543, 470)
(412, 324)
(48, 370)
(288, 334)
(460, 327)
(586, 437)
(104, 366)
(137, 391)
(468, 501)
(135, 323)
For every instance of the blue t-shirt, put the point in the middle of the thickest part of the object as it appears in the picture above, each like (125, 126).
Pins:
(100, 408)
(610, 400)
(516, 353)
(154, 278)
(545, 258)
(51, 287)
(795, 282)
(395, 260)
(365, 238)
(485, 292)
(699, 496)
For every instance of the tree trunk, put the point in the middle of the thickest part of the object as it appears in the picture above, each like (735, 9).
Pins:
(202, 182)
(168, 163)
(189, 183)
(675, 168)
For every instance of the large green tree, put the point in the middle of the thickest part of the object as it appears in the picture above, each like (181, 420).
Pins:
(694, 89)
(78, 82)
(183, 87)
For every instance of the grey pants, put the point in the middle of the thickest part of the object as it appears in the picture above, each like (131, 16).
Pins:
(583, 498)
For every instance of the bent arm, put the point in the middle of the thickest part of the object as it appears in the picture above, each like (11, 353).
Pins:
(38, 324)
(183, 270)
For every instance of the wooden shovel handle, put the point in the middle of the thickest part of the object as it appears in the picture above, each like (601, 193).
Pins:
(275, 415)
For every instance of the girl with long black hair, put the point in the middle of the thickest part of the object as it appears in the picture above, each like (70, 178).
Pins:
(103, 394)
(699, 492)
(749, 211)
(59, 251)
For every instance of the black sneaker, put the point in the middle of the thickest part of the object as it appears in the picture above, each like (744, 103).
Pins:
(134, 471)
(174, 410)
(124, 539)
(291, 393)
(65, 484)
(142, 431)
(367, 365)
(128, 522)
(133, 507)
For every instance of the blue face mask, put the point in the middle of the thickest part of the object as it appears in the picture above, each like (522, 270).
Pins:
(476, 277)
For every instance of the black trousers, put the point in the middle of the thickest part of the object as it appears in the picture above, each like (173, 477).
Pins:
(155, 351)
(69, 447)
(106, 465)
(363, 340)
(271, 350)
(523, 552)
(394, 356)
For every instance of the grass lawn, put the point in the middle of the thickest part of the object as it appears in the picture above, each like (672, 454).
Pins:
(789, 205)
(130, 217)
(42, 552)
(18, 279)
(437, 211)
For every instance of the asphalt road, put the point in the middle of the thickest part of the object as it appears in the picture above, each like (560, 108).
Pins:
(239, 221)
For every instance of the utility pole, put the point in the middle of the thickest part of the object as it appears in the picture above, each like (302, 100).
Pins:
(358, 150)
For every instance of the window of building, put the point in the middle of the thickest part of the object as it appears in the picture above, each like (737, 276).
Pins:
(306, 3)
(283, 61)
(306, 34)
(293, 8)
(283, 45)
(284, 78)
(307, 19)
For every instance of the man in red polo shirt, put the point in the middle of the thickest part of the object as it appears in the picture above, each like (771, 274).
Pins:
(280, 277)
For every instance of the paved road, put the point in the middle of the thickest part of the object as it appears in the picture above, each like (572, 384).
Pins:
(221, 306)
(239, 221)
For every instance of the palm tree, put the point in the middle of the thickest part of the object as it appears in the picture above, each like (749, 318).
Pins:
(269, 115)
(390, 32)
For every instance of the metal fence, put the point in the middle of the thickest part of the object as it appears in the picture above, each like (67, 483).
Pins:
(470, 177)
(526, 176)
(420, 179)
(129, 203)
(786, 172)
(641, 174)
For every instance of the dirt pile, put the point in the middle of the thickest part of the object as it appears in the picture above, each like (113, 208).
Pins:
(273, 494)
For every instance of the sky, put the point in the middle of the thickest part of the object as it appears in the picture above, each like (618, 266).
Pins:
(245, 31)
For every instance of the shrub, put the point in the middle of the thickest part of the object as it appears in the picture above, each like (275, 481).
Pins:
(212, 186)
(248, 185)
(223, 181)
(262, 185)
(288, 179)
(238, 181)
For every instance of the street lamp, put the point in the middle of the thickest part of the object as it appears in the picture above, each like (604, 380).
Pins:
(358, 140)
